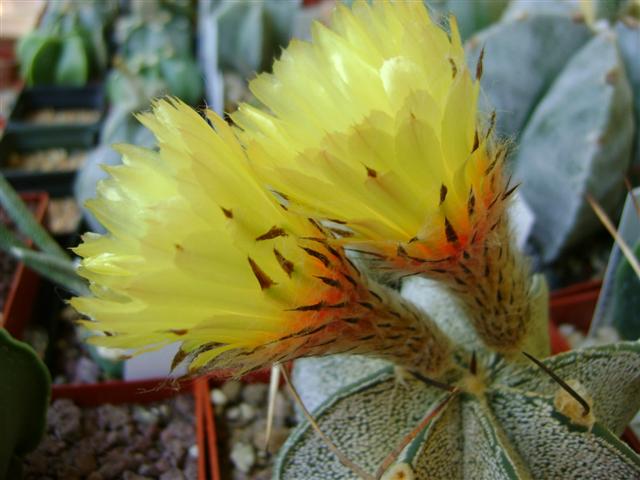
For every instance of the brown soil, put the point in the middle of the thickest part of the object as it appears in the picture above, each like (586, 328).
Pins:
(130, 442)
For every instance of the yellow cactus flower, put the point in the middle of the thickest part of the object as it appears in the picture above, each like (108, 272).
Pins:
(199, 253)
(373, 130)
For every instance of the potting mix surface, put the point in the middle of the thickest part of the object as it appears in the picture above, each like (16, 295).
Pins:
(241, 422)
(129, 442)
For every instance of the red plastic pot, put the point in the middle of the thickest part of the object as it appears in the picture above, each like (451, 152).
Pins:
(207, 423)
(20, 299)
(575, 305)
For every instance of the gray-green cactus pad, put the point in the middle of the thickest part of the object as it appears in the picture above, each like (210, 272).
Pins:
(534, 426)
(507, 429)
(522, 58)
(365, 420)
(577, 141)
(518, 9)
(316, 379)
(626, 299)
(443, 307)
(629, 45)
(610, 373)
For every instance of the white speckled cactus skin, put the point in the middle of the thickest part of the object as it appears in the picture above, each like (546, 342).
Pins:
(502, 425)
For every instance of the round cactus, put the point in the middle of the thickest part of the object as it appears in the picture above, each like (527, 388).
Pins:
(505, 421)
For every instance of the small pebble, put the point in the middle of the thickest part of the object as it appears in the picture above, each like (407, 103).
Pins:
(247, 412)
(65, 420)
(144, 415)
(218, 398)
(243, 456)
(85, 462)
(193, 451)
(233, 414)
(566, 329)
(232, 390)
(255, 394)
(607, 334)
(129, 475)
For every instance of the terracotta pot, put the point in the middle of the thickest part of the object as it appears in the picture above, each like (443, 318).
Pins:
(20, 300)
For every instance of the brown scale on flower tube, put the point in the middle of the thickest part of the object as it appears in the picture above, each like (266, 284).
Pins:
(378, 319)
(353, 315)
(479, 264)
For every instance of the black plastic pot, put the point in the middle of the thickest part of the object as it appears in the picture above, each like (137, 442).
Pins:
(67, 135)
(56, 183)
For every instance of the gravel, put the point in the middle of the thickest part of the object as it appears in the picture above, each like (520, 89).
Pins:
(71, 361)
(63, 216)
(49, 160)
(241, 422)
(134, 442)
(50, 116)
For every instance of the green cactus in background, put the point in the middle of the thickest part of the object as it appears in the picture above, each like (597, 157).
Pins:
(155, 55)
(628, 34)
(249, 34)
(154, 58)
(471, 16)
(24, 397)
(240, 38)
(69, 44)
(565, 87)
(626, 302)
(591, 99)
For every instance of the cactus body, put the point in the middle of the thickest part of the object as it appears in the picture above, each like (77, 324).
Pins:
(530, 56)
(629, 45)
(522, 57)
(504, 426)
(577, 141)
(626, 306)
